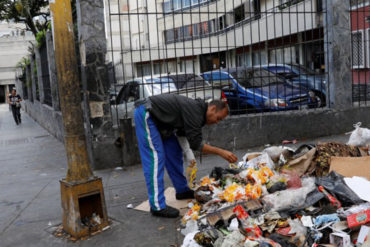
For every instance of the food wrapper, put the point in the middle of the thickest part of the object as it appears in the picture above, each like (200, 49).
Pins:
(191, 173)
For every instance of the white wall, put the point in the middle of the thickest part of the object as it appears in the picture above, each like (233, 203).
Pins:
(12, 50)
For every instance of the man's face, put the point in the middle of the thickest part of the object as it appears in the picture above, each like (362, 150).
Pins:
(214, 116)
(14, 92)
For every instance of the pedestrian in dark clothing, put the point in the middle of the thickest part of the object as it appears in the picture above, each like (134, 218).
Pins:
(158, 120)
(15, 104)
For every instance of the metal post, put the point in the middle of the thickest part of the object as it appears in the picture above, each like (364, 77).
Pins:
(81, 193)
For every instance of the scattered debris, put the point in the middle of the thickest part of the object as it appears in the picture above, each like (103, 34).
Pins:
(282, 197)
(130, 206)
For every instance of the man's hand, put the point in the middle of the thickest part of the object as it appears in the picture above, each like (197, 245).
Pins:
(229, 156)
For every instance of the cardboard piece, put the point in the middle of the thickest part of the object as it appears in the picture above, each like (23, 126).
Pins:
(351, 166)
(170, 195)
(303, 164)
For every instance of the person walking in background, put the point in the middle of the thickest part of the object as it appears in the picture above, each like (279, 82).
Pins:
(15, 103)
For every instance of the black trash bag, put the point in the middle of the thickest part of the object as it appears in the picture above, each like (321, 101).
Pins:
(335, 185)
(218, 172)
(277, 187)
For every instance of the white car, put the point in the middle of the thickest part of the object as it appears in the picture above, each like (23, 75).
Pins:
(140, 88)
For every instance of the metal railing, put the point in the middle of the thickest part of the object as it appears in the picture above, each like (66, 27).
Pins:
(260, 56)
(360, 27)
(45, 74)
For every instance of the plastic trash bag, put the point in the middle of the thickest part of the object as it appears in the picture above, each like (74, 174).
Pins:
(275, 152)
(255, 163)
(291, 198)
(336, 186)
(191, 226)
(235, 239)
(189, 240)
(356, 209)
(326, 218)
(360, 136)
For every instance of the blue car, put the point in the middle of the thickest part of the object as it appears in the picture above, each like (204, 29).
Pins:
(303, 77)
(257, 90)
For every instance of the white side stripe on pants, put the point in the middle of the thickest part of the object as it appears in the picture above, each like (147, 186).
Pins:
(155, 156)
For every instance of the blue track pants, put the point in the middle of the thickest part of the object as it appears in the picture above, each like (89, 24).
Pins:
(156, 154)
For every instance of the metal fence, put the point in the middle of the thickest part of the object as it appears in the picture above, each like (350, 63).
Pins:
(259, 55)
(360, 27)
(45, 75)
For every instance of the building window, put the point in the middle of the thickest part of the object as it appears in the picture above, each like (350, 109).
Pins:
(221, 23)
(288, 3)
(176, 5)
(358, 60)
(239, 14)
(186, 3)
(167, 6)
(359, 3)
(169, 35)
(257, 8)
(259, 58)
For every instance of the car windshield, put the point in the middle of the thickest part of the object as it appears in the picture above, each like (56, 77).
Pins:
(188, 81)
(299, 69)
(256, 78)
(160, 85)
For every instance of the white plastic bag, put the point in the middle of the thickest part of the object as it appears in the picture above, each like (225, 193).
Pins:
(290, 198)
(263, 159)
(188, 153)
(360, 136)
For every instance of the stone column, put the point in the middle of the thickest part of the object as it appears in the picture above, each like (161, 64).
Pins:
(338, 50)
(39, 75)
(92, 43)
(52, 71)
(33, 78)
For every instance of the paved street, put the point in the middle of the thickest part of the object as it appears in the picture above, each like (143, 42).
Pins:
(31, 164)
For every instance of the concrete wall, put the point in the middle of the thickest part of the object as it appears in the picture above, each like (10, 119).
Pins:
(254, 130)
(46, 116)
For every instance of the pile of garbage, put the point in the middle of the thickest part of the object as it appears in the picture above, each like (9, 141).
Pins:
(284, 197)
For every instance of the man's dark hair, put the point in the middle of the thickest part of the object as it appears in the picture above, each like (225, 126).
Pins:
(220, 105)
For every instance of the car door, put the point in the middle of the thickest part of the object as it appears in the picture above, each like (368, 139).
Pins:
(126, 100)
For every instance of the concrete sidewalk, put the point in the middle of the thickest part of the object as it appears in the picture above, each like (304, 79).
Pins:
(31, 164)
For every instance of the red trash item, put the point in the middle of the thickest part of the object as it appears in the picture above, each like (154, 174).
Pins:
(250, 228)
(358, 219)
(294, 181)
(285, 231)
(331, 198)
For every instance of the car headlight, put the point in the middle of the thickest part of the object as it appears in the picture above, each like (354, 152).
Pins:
(275, 103)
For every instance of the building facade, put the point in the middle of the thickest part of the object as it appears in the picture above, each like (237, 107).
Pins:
(194, 36)
(14, 44)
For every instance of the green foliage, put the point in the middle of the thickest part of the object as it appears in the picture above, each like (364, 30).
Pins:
(24, 11)
(40, 38)
(23, 63)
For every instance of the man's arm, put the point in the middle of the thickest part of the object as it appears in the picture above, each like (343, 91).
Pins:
(229, 156)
